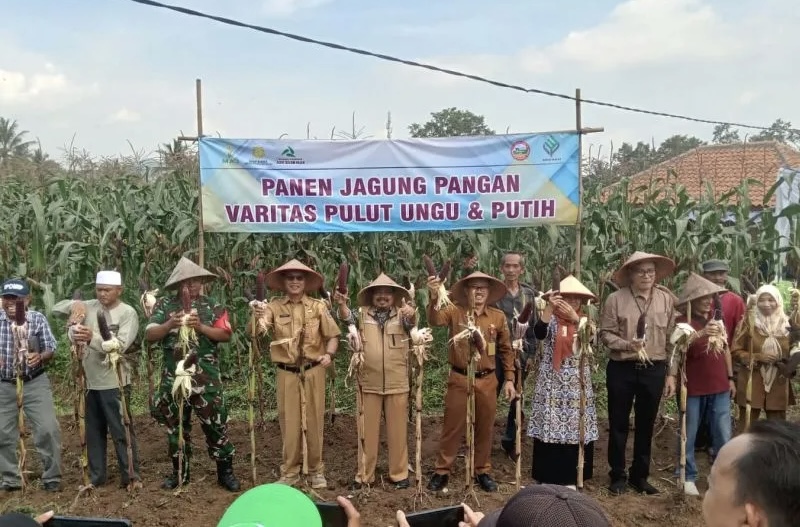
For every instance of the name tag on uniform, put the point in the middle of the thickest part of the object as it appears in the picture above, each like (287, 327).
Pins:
(492, 348)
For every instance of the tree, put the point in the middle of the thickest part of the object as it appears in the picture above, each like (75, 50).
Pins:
(780, 131)
(451, 122)
(723, 135)
(12, 141)
(676, 145)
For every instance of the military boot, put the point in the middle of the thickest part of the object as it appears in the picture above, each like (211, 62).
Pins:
(225, 476)
(171, 481)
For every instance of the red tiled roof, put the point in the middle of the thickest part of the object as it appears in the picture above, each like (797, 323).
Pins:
(723, 167)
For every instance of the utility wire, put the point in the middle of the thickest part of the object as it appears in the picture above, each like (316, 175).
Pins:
(478, 78)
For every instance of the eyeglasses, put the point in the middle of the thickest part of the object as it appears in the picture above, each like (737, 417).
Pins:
(645, 272)
(295, 277)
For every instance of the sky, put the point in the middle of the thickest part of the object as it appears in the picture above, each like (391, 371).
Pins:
(111, 76)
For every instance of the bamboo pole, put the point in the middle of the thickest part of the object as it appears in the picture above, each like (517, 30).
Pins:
(470, 432)
(578, 230)
(360, 423)
(201, 242)
(418, 427)
(126, 422)
(303, 402)
(518, 421)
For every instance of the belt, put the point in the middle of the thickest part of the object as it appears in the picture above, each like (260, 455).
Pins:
(295, 369)
(639, 365)
(26, 378)
(478, 374)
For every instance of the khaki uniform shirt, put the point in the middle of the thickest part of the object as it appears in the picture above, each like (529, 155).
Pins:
(285, 318)
(385, 369)
(620, 316)
(455, 318)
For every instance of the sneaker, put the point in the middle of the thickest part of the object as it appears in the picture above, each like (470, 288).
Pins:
(690, 489)
(289, 480)
(573, 487)
(318, 481)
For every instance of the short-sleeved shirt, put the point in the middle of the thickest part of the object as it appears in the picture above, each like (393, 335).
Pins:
(38, 328)
(211, 313)
(285, 319)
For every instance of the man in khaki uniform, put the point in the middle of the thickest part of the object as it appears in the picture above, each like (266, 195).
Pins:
(304, 341)
(478, 290)
(384, 320)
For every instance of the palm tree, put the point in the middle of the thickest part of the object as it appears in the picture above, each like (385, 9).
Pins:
(12, 141)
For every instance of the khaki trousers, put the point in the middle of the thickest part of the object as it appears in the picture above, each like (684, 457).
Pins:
(288, 392)
(395, 411)
(755, 413)
(455, 421)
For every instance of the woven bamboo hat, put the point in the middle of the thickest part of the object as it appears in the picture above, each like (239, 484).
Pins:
(697, 287)
(185, 270)
(664, 267)
(364, 297)
(497, 289)
(573, 287)
(275, 280)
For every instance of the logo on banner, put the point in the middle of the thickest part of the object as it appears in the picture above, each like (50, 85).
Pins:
(229, 158)
(259, 156)
(520, 150)
(289, 157)
(551, 145)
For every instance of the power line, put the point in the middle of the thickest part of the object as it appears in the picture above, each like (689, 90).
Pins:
(431, 67)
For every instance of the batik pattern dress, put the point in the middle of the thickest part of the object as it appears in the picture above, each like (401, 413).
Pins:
(555, 415)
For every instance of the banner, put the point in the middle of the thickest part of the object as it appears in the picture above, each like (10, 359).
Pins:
(479, 182)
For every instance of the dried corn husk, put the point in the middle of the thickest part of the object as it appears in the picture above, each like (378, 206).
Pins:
(585, 335)
(718, 343)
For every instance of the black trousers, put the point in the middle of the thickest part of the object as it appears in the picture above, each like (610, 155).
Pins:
(103, 418)
(632, 385)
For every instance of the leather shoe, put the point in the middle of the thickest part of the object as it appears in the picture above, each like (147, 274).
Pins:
(618, 487)
(10, 488)
(402, 484)
(52, 486)
(643, 487)
(438, 482)
(486, 482)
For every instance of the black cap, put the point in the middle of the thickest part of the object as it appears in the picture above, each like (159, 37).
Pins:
(16, 287)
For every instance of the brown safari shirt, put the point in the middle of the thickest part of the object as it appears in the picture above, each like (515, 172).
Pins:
(284, 319)
(455, 318)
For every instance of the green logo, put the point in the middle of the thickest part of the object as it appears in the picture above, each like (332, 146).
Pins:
(229, 158)
(550, 145)
(288, 152)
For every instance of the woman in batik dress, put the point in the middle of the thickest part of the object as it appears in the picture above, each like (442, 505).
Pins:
(555, 415)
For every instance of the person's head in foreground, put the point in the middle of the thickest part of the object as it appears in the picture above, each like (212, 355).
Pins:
(755, 480)
(547, 506)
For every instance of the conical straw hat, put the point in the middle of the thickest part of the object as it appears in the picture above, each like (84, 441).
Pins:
(572, 286)
(664, 267)
(275, 280)
(697, 287)
(185, 270)
(497, 289)
(365, 295)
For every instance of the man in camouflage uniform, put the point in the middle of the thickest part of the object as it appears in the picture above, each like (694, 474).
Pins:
(304, 340)
(209, 320)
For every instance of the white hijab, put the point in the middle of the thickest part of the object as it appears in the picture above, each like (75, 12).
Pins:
(771, 327)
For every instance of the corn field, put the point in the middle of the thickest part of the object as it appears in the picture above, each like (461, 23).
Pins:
(59, 232)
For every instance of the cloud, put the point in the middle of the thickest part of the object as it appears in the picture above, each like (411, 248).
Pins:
(125, 115)
(17, 87)
(646, 32)
(288, 7)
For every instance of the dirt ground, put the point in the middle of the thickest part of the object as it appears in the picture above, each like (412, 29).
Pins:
(204, 502)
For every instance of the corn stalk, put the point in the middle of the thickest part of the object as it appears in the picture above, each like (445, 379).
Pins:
(751, 317)
(77, 317)
(185, 370)
(19, 331)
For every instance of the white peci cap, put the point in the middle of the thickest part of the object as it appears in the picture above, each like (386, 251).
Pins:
(108, 278)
